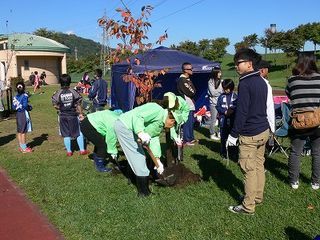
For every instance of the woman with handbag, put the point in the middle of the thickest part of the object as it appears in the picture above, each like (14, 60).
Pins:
(303, 90)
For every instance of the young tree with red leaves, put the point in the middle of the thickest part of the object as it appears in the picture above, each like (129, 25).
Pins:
(132, 32)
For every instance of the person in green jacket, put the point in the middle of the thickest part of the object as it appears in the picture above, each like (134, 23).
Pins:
(180, 113)
(143, 126)
(98, 128)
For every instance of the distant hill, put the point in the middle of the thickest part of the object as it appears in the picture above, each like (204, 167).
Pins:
(85, 47)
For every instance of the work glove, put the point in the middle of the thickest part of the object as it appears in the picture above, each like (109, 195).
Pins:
(231, 141)
(160, 169)
(144, 137)
(114, 156)
(178, 141)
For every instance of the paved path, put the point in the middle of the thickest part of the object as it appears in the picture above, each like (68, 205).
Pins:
(20, 219)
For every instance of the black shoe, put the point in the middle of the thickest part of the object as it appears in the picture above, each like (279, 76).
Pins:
(143, 186)
(239, 209)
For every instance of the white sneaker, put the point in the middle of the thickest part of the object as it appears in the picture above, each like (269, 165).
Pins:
(315, 186)
(295, 185)
(214, 137)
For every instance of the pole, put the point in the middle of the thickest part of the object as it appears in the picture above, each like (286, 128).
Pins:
(265, 49)
(7, 63)
(76, 53)
(103, 46)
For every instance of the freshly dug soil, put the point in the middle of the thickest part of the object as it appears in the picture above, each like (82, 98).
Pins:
(183, 176)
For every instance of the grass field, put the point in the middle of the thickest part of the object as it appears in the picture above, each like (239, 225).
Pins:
(85, 204)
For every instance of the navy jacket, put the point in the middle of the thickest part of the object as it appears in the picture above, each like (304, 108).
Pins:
(98, 92)
(251, 113)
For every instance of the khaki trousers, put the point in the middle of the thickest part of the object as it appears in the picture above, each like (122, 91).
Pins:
(251, 160)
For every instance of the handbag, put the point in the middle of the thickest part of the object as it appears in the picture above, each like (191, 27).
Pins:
(304, 119)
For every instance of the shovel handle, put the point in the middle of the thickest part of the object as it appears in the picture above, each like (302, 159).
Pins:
(150, 153)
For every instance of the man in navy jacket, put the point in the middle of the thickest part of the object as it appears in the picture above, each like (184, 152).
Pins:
(98, 92)
(251, 128)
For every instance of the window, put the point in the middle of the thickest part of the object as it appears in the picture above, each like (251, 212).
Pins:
(26, 65)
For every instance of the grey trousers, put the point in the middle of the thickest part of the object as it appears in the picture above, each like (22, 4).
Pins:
(132, 150)
(214, 113)
(295, 154)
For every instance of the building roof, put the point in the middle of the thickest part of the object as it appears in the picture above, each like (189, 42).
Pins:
(30, 42)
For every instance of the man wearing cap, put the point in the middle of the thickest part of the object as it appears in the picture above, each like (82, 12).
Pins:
(180, 111)
(187, 90)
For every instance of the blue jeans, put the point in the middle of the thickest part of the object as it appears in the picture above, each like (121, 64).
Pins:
(188, 134)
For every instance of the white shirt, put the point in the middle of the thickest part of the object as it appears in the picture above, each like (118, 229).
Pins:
(270, 107)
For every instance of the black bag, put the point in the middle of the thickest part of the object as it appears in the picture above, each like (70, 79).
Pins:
(29, 108)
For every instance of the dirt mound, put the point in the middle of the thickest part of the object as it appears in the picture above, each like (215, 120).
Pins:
(182, 175)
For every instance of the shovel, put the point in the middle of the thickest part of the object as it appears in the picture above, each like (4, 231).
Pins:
(163, 179)
(227, 149)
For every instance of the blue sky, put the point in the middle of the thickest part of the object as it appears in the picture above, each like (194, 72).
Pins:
(184, 19)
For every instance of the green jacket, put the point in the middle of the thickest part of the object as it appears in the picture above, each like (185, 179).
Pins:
(103, 122)
(180, 115)
(149, 118)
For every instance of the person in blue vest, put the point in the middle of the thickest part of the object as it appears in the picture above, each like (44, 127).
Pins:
(226, 106)
(98, 93)
(24, 124)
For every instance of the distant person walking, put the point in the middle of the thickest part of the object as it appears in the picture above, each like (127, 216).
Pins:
(43, 77)
(31, 78)
(214, 91)
(187, 90)
(24, 124)
(98, 92)
(36, 83)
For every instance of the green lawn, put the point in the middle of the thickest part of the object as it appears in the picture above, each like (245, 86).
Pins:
(85, 204)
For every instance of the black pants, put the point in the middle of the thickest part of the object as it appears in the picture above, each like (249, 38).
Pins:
(100, 146)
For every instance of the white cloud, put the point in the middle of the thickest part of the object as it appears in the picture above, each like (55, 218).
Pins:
(70, 32)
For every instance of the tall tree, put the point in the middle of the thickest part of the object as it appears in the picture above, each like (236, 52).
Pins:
(310, 32)
(269, 40)
(217, 49)
(251, 40)
(43, 32)
(289, 42)
(204, 45)
(189, 47)
(240, 45)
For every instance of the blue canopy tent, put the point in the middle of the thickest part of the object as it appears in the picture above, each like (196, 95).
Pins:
(123, 93)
